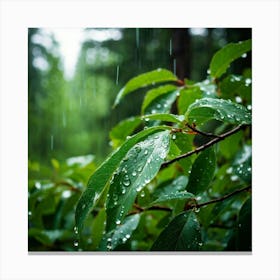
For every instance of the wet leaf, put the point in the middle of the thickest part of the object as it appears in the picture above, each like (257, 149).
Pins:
(224, 57)
(137, 169)
(165, 118)
(219, 109)
(202, 172)
(182, 195)
(181, 234)
(144, 80)
(123, 129)
(102, 176)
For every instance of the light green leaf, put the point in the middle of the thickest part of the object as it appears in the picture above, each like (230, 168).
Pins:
(159, 99)
(137, 169)
(98, 227)
(183, 195)
(123, 129)
(144, 80)
(202, 171)
(224, 57)
(121, 234)
(219, 109)
(165, 118)
(181, 234)
(102, 176)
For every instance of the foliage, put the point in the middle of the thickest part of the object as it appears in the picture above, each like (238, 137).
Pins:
(173, 182)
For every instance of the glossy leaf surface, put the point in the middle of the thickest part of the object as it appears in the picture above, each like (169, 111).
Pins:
(137, 169)
(219, 109)
(144, 80)
(181, 234)
(224, 57)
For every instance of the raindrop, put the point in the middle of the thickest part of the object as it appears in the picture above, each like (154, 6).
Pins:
(196, 210)
(238, 99)
(173, 137)
(127, 236)
(29, 213)
(170, 47)
(117, 76)
(138, 189)
(142, 194)
(75, 230)
(38, 185)
(208, 72)
(139, 168)
(244, 55)
(198, 198)
(83, 206)
(149, 160)
(249, 107)
(124, 240)
(153, 111)
(234, 178)
(229, 170)
(134, 173)
(146, 152)
(123, 191)
(200, 244)
(147, 119)
(126, 182)
(76, 243)
(174, 66)
(158, 106)
(249, 169)
(118, 222)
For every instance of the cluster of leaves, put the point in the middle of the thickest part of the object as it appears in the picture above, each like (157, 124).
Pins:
(180, 175)
(51, 202)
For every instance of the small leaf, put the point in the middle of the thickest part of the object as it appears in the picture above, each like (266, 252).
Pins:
(181, 234)
(137, 169)
(123, 129)
(183, 195)
(159, 99)
(219, 109)
(144, 80)
(121, 234)
(102, 176)
(224, 57)
(202, 171)
(165, 118)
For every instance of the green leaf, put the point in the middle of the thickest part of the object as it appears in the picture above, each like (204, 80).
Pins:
(187, 97)
(137, 169)
(181, 234)
(98, 226)
(244, 223)
(202, 172)
(121, 234)
(123, 129)
(224, 57)
(159, 99)
(230, 146)
(144, 80)
(102, 176)
(165, 118)
(219, 109)
(242, 165)
(183, 195)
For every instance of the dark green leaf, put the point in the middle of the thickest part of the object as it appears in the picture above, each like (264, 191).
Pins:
(103, 174)
(219, 109)
(144, 80)
(123, 129)
(187, 97)
(244, 223)
(98, 226)
(202, 172)
(224, 57)
(122, 233)
(181, 234)
(159, 99)
(137, 169)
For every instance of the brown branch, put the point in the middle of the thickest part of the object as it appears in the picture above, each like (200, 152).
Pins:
(202, 132)
(223, 197)
(203, 147)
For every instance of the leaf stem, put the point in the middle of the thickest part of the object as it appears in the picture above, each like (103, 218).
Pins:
(203, 147)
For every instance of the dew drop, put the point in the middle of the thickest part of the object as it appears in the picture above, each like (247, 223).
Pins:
(244, 55)
(173, 137)
(142, 194)
(127, 236)
(75, 230)
(118, 222)
(29, 213)
(134, 173)
(146, 152)
(138, 189)
(76, 243)
(126, 182)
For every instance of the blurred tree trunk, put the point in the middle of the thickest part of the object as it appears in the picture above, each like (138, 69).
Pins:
(181, 55)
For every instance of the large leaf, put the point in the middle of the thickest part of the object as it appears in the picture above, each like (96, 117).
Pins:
(181, 234)
(224, 57)
(202, 171)
(121, 234)
(144, 80)
(223, 110)
(123, 129)
(103, 174)
(159, 99)
(137, 169)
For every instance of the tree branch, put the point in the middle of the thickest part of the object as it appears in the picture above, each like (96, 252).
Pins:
(203, 147)
(202, 132)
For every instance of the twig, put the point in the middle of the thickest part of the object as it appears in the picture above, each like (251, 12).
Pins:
(203, 147)
(202, 132)
(223, 197)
